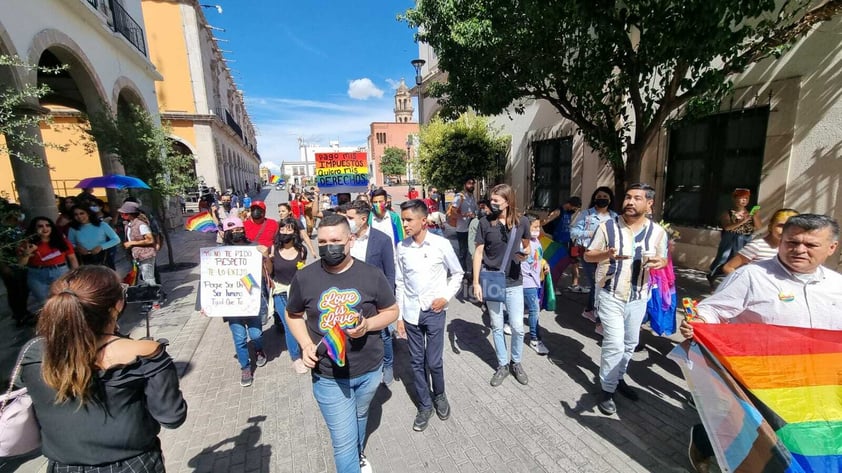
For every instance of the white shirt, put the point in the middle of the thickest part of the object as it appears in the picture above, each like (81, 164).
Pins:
(360, 247)
(766, 292)
(466, 204)
(421, 275)
(384, 225)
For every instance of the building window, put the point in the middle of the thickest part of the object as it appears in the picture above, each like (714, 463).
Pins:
(708, 159)
(552, 162)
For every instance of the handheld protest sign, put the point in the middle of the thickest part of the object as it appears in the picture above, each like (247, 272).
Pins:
(230, 281)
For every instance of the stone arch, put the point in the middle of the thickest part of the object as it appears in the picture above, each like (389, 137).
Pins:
(126, 88)
(9, 75)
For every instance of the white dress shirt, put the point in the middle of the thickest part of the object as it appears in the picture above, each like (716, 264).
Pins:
(421, 275)
(360, 246)
(384, 225)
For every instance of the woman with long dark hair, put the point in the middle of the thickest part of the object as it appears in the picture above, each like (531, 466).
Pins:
(65, 213)
(100, 397)
(288, 256)
(90, 238)
(47, 255)
(582, 231)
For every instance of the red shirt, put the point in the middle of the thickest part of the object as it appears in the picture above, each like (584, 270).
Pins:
(295, 206)
(46, 255)
(432, 205)
(413, 194)
(265, 237)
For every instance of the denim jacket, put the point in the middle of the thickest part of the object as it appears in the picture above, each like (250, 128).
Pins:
(582, 230)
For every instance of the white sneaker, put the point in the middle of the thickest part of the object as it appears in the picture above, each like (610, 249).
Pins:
(589, 314)
(507, 329)
(538, 346)
(365, 465)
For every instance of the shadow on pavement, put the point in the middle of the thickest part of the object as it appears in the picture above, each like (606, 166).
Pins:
(245, 453)
(375, 410)
(473, 338)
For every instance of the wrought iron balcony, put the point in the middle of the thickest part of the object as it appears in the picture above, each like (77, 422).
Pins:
(126, 25)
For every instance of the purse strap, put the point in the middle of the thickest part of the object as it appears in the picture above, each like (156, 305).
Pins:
(508, 253)
(16, 372)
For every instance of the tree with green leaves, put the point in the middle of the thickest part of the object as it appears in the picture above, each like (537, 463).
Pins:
(452, 150)
(619, 70)
(145, 150)
(393, 162)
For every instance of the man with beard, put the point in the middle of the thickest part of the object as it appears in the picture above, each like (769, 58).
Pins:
(340, 290)
(464, 207)
(259, 229)
(625, 249)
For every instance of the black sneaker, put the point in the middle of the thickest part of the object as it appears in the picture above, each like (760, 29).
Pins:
(627, 391)
(422, 419)
(442, 406)
(499, 376)
(246, 378)
(260, 358)
(606, 404)
(519, 374)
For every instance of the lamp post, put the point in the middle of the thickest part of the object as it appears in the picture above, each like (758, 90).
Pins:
(418, 64)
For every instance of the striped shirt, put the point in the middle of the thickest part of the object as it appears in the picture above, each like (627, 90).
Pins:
(758, 250)
(627, 279)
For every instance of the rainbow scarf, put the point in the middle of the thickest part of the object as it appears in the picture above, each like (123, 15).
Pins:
(201, 222)
(556, 255)
(336, 343)
(793, 376)
(397, 226)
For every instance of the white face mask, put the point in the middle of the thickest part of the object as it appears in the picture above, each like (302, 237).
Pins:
(535, 234)
(353, 224)
(94, 208)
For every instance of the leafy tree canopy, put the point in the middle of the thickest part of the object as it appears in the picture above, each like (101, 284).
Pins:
(393, 162)
(451, 151)
(617, 69)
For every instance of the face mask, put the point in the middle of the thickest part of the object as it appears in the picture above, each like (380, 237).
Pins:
(285, 238)
(602, 203)
(238, 237)
(226, 205)
(379, 209)
(332, 255)
(257, 213)
(94, 208)
(535, 234)
(481, 213)
(353, 224)
(495, 210)
(434, 196)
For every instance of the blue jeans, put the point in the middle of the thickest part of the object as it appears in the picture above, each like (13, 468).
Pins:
(590, 274)
(621, 331)
(40, 279)
(344, 403)
(729, 245)
(146, 268)
(292, 344)
(243, 328)
(388, 347)
(533, 305)
(514, 304)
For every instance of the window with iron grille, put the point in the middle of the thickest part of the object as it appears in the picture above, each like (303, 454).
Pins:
(708, 159)
(552, 162)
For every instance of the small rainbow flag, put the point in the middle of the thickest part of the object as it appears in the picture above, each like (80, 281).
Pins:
(201, 222)
(249, 282)
(274, 179)
(555, 254)
(336, 343)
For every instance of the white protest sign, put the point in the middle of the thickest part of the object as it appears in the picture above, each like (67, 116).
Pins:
(230, 281)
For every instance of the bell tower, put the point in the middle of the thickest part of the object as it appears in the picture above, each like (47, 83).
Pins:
(403, 104)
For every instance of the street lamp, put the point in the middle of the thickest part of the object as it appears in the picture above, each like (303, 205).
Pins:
(217, 7)
(418, 64)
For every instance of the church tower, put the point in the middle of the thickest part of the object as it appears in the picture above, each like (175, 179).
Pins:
(403, 104)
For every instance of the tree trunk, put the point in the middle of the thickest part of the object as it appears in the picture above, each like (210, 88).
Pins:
(619, 186)
(634, 164)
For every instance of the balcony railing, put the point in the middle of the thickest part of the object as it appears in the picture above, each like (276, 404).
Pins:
(127, 26)
(233, 124)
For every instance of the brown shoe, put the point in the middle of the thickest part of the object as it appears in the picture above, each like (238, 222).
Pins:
(699, 462)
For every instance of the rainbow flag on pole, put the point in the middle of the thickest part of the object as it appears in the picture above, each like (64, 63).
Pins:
(248, 282)
(273, 179)
(556, 255)
(336, 343)
(792, 376)
(201, 222)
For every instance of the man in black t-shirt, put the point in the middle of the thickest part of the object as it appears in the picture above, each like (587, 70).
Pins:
(345, 291)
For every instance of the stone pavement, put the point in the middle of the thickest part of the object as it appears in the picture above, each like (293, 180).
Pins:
(550, 425)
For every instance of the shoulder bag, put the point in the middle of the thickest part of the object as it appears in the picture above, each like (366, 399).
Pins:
(493, 283)
(19, 430)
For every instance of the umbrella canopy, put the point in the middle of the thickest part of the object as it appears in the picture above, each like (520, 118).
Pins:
(112, 181)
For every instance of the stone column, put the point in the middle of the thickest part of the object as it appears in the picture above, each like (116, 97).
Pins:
(33, 184)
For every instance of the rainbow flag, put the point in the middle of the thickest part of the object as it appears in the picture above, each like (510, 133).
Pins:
(201, 222)
(273, 179)
(336, 343)
(249, 282)
(556, 255)
(793, 377)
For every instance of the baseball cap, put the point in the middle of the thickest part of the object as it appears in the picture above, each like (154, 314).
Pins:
(259, 203)
(232, 222)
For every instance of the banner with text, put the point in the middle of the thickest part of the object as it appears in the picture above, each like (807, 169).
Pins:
(341, 172)
(230, 281)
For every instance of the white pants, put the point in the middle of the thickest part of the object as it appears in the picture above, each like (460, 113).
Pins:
(621, 331)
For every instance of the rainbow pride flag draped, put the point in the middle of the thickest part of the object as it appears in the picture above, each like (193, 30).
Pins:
(556, 255)
(794, 379)
(273, 179)
(201, 222)
(336, 343)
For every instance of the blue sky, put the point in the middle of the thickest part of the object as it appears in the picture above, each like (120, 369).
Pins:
(319, 69)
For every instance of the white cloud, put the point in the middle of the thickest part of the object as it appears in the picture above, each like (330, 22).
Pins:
(281, 121)
(271, 165)
(393, 84)
(363, 89)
